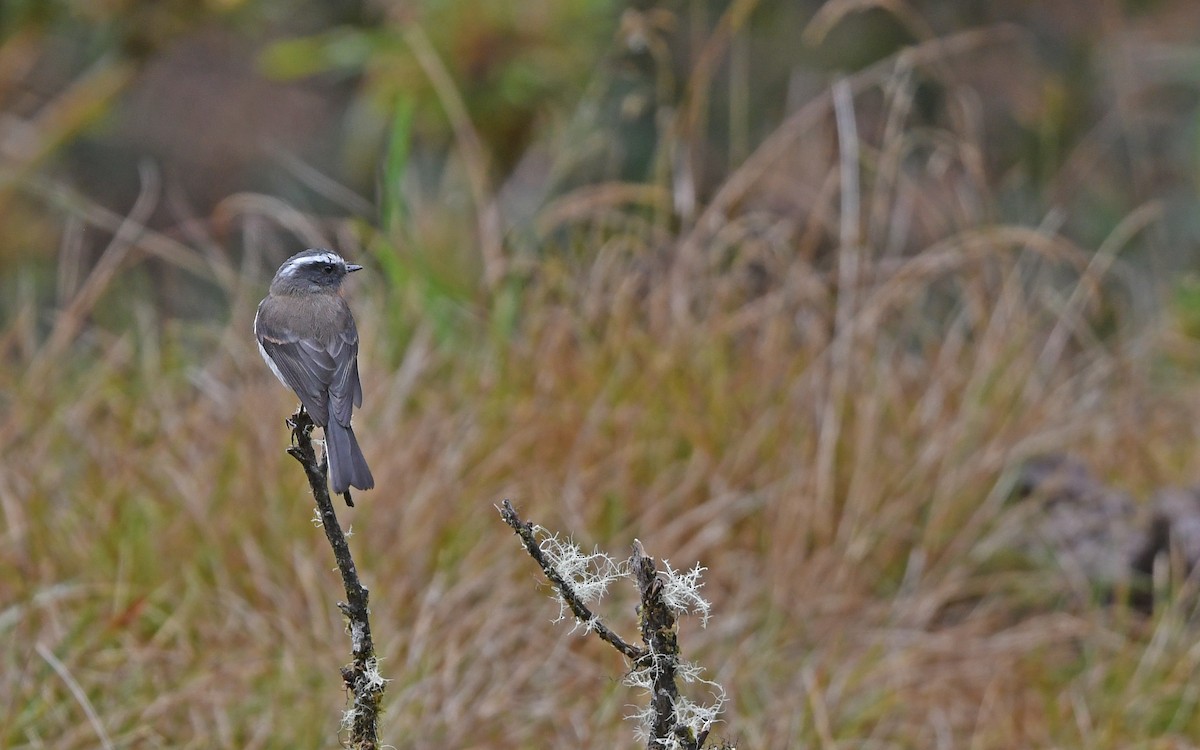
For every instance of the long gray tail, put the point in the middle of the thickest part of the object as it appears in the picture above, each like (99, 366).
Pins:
(347, 466)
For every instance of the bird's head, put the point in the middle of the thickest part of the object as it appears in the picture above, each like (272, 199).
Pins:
(315, 270)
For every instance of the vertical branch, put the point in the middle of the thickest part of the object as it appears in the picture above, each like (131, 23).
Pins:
(662, 657)
(361, 676)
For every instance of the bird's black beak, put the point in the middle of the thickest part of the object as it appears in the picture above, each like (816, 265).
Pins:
(351, 267)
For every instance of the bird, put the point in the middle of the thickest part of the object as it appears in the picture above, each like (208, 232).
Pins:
(306, 334)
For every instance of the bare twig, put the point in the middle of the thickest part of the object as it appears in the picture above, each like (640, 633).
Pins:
(670, 721)
(581, 611)
(361, 676)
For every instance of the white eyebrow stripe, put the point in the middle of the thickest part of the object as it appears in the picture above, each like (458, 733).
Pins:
(313, 260)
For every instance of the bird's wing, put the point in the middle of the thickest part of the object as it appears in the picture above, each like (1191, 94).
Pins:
(345, 389)
(321, 366)
(308, 368)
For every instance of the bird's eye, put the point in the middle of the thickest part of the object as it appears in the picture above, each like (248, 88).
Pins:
(328, 268)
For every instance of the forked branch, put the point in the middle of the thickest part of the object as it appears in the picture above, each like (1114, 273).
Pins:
(671, 721)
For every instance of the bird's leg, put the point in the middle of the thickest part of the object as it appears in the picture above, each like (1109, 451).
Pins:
(300, 423)
(297, 422)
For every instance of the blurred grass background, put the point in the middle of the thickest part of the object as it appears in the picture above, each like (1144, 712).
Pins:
(628, 269)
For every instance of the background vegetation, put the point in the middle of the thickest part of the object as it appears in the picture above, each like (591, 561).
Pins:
(631, 267)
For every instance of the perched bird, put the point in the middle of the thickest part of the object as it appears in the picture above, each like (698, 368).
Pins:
(307, 336)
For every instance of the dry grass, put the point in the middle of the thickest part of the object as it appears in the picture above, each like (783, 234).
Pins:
(827, 421)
